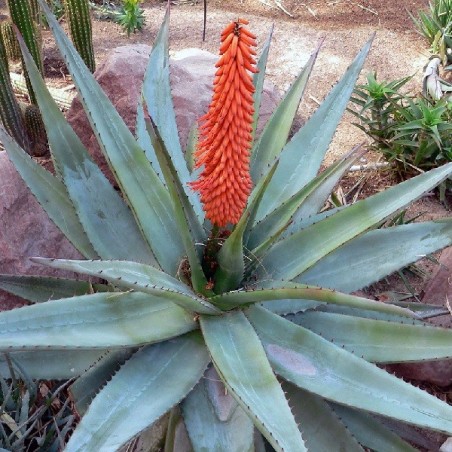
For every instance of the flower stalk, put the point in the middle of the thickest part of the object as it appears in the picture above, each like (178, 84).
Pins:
(225, 131)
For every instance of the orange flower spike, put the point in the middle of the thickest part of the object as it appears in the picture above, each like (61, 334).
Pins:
(225, 140)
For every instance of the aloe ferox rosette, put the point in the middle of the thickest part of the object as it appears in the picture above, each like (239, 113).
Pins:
(248, 331)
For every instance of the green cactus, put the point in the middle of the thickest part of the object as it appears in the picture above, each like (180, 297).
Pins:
(78, 16)
(35, 11)
(35, 129)
(10, 41)
(23, 16)
(169, 333)
(10, 114)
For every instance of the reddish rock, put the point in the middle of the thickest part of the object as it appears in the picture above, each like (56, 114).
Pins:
(437, 291)
(121, 76)
(25, 231)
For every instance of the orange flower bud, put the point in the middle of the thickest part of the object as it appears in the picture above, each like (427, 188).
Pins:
(225, 140)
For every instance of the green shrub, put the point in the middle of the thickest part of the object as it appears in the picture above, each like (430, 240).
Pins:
(130, 16)
(436, 26)
(412, 132)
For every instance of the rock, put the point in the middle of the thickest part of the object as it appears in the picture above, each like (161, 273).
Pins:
(25, 231)
(446, 446)
(121, 76)
(437, 291)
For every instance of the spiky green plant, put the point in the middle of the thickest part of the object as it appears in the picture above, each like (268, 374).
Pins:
(435, 25)
(130, 16)
(35, 129)
(79, 19)
(162, 334)
(10, 114)
(9, 40)
(23, 15)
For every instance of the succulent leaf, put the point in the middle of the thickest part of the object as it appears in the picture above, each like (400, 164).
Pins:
(137, 276)
(170, 369)
(378, 340)
(39, 289)
(105, 217)
(190, 149)
(293, 291)
(231, 263)
(240, 361)
(152, 206)
(286, 307)
(59, 364)
(209, 430)
(258, 79)
(85, 388)
(314, 364)
(190, 228)
(159, 102)
(367, 314)
(100, 320)
(297, 253)
(301, 158)
(274, 136)
(378, 253)
(324, 431)
(144, 140)
(369, 432)
(51, 193)
(307, 200)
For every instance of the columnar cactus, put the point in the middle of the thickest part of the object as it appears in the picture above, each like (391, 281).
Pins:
(10, 114)
(35, 129)
(9, 40)
(23, 16)
(77, 13)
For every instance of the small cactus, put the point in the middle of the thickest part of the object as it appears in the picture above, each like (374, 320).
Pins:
(36, 132)
(9, 108)
(77, 13)
(9, 40)
(23, 16)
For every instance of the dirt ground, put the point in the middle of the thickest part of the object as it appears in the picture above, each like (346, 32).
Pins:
(345, 25)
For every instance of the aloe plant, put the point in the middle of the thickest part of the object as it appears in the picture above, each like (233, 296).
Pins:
(199, 317)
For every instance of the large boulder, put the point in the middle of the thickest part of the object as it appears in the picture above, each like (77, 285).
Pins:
(121, 77)
(25, 231)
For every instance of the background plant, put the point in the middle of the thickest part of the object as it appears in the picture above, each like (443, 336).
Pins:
(33, 416)
(163, 336)
(130, 16)
(436, 26)
(79, 20)
(413, 132)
